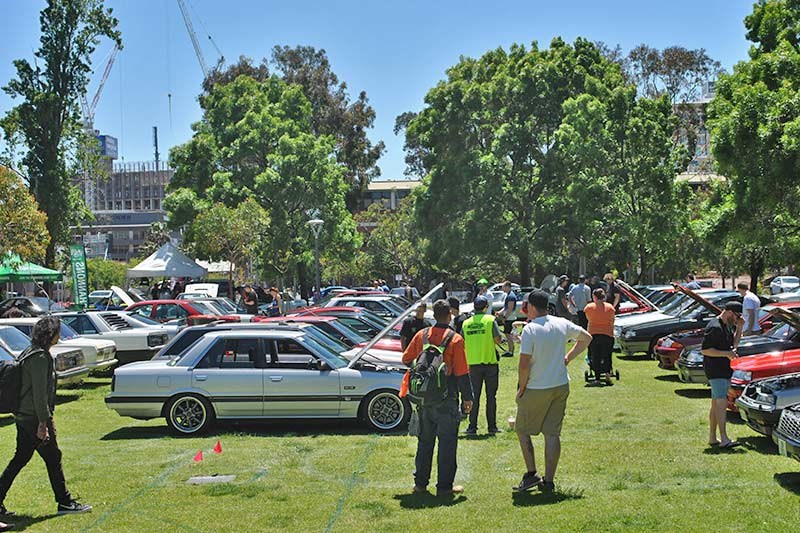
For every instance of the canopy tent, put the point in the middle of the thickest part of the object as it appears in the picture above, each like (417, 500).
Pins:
(13, 269)
(167, 262)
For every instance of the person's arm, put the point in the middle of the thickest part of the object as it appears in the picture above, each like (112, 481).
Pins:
(737, 336)
(498, 338)
(412, 350)
(715, 352)
(37, 366)
(581, 343)
(616, 298)
(523, 373)
(461, 371)
(571, 297)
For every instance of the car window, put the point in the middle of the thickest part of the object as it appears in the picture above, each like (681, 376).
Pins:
(25, 328)
(782, 331)
(170, 312)
(291, 354)
(80, 324)
(240, 353)
(14, 339)
(5, 355)
(332, 358)
(67, 332)
(213, 357)
(144, 310)
(360, 326)
(183, 341)
(144, 319)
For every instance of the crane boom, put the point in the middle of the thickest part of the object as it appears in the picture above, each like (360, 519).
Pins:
(193, 37)
(103, 79)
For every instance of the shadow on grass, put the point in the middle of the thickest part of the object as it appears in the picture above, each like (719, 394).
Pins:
(671, 378)
(482, 436)
(716, 450)
(22, 522)
(426, 500)
(91, 385)
(137, 433)
(789, 481)
(694, 394)
(762, 445)
(530, 499)
(642, 357)
(66, 398)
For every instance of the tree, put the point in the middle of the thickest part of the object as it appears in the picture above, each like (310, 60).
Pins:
(754, 121)
(104, 274)
(158, 235)
(24, 226)
(47, 121)
(244, 225)
(493, 161)
(255, 141)
(676, 71)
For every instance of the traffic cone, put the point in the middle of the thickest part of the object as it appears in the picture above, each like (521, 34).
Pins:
(218, 448)
(198, 457)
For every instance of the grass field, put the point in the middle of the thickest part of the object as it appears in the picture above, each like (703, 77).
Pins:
(633, 458)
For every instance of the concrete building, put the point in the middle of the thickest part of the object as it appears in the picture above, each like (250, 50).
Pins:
(388, 193)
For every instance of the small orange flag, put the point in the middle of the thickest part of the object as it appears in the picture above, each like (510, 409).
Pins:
(198, 457)
(218, 448)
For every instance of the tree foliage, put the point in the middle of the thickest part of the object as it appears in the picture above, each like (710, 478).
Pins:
(24, 227)
(755, 127)
(103, 274)
(47, 121)
(255, 141)
(158, 235)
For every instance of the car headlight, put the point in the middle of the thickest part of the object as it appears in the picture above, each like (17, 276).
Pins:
(629, 334)
(768, 399)
(742, 375)
(617, 331)
(665, 342)
(694, 356)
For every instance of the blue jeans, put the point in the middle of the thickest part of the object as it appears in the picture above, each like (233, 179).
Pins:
(719, 388)
(437, 422)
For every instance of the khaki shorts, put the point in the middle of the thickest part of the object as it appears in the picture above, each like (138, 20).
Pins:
(541, 411)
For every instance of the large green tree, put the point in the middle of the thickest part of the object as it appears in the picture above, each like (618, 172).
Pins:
(755, 131)
(47, 121)
(24, 229)
(493, 161)
(255, 141)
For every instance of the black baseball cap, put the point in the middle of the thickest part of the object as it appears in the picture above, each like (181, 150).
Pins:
(734, 306)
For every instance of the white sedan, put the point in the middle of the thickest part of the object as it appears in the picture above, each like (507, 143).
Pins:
(784, 284)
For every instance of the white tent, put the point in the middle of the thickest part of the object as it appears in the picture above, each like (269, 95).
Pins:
(167, 262)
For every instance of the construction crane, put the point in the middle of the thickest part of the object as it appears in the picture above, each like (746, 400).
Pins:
(89, 109)
(193, 36)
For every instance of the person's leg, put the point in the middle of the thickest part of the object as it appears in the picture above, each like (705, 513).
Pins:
(552, 453)
(425, 443)
(447, 419)
(712, 424)
(582, 320)
(720, 412)
(606, 346)
(476, 378)
(26, 445)
(51, 454)
(508, 328)
(526, 445)
(492, 379)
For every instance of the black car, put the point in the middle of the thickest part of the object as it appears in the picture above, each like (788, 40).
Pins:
(31, 305)
(642, 338)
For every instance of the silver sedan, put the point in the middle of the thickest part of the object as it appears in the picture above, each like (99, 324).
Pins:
(258, 374)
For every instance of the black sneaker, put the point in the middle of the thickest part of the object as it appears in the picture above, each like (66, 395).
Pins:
(5, 512)
(507, 354)
(470, 432)
(495, 431)
(529, 481)
(73, 507)
(547, 486)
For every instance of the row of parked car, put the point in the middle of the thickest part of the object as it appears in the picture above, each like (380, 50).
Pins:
(765, 386)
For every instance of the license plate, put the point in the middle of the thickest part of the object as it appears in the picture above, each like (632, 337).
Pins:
(743, 414)
(782, 448)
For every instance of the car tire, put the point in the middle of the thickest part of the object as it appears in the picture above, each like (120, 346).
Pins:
(385, 410)
(189, 414)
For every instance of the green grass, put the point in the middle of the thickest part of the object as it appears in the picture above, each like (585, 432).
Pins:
(633, 458)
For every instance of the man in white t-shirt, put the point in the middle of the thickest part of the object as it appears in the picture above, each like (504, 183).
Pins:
(543, 386)
(750, 306)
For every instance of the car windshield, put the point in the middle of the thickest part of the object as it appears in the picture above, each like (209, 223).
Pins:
(353, 334)
(680, 306)
(143, 319)
(45, 304)
(14, 339)
(782, 332)
(324, 350)
(328, 340)
(67, 333)
(206, 308)
(5, 355)
(669, 303)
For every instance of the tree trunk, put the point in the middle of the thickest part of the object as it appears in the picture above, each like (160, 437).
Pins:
(756, 269)
(524, 267)
(305, 289)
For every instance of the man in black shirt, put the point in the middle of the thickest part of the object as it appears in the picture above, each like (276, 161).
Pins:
(720, 341)
(412, 325)
(457, 316)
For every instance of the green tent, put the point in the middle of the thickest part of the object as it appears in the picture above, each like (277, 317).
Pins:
(13, 269)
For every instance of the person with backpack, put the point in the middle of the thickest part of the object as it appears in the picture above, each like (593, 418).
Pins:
(438, 373)
(481, 335)
(33, 415)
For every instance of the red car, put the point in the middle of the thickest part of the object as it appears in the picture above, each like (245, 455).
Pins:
(668, 349)
(338, 329)
(364, 321)
(194, 313)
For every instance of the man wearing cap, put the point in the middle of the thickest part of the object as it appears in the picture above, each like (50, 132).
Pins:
(481, 334)
(720, 342)
(580, 295)
(483, 289)
(562, 302)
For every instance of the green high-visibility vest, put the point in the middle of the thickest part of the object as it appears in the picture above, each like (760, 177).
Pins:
(478, 333)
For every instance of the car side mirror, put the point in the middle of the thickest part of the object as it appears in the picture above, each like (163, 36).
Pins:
(322, 366)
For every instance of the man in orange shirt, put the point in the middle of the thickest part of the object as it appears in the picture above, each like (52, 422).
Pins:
(441, 421)
(601, 327)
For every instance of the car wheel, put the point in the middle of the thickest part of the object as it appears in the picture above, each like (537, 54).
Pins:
(385, 410)
(189, 414)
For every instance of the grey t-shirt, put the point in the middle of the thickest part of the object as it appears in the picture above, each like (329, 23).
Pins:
(545, 338)
(581, 295)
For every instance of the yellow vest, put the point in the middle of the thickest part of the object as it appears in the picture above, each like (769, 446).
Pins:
(478, 333)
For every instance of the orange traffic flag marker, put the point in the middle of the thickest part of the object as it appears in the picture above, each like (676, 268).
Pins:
(198, 457)
(218, 448)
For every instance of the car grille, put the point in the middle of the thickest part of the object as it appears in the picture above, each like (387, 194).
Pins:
(68, 360)
(789, 424)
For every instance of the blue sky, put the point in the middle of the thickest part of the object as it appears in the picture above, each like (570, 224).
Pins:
(395, 51)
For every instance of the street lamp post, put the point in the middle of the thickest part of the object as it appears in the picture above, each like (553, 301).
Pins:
(316, 226)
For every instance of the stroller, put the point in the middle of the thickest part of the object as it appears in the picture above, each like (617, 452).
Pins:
(594, 373)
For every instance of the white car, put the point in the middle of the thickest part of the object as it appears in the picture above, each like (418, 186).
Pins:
(97, 354)
(784, 284)
(69, 362)
(135, 341)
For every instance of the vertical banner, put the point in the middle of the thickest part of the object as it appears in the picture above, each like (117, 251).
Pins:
(80, 282)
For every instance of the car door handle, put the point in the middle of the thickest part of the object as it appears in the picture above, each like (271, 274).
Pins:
(201, 377)
(276, 378)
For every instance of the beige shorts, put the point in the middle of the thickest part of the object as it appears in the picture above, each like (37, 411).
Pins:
(541, 411)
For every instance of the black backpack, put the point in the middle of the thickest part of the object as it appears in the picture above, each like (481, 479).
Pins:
(427, 382)
(11, 382)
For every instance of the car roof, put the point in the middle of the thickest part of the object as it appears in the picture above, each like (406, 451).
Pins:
(265, 332)
(21, 320)
(144, 302)
(296, 318)
(378, 297)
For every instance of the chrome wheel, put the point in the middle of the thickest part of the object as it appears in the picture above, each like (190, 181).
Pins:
(188, 414)
(385, 411)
